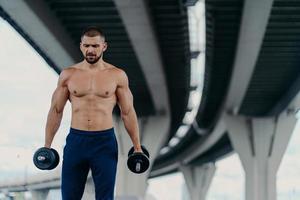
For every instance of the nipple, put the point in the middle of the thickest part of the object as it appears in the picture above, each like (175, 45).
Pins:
(75, 92)
(106, 92)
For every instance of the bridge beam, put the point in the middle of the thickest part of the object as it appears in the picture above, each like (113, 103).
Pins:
(250, 39)
(42, 27)
(137, 21)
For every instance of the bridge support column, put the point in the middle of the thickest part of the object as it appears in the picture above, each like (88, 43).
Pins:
(198, 179)
(260, 144)
(132, 186)
(39, 194)
(89, 190)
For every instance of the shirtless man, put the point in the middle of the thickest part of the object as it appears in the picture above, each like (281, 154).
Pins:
(93, 87)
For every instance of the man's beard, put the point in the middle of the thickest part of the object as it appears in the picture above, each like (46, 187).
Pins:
(92, 60)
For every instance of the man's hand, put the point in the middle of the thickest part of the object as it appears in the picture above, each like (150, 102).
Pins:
(138, 149)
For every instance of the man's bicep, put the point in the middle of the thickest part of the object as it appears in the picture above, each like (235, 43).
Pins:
(59, 98)
(125, 99)
(60, 94)
(124, 96)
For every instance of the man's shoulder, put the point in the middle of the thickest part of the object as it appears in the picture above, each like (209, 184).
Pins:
(67, 71)
(117, 70)
(121, 76)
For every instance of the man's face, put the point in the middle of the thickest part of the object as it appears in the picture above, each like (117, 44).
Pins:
(92, 48)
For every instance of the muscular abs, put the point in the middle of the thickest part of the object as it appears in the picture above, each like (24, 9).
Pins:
(92, 96)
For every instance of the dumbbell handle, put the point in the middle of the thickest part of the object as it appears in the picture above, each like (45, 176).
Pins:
(138, 167)
(41, 158)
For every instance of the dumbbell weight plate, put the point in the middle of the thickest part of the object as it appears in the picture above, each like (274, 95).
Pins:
(138, 163)
(45, 158)
(143, 148)
(56, 161)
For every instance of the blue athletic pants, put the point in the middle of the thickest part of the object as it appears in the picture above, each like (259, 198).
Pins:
(85, 150)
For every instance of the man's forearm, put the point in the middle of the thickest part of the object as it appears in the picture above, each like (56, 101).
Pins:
(131, 125)
(52, 125)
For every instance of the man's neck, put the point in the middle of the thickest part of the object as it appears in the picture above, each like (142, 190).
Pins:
(100, 65)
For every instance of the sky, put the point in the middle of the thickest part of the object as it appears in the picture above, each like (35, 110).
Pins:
(26, 86)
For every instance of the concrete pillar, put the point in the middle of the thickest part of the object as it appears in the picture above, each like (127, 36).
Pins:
(89, 190)
(124, 197)
(260, 144)
(41, 194)
(6, 194)
(9, 197)
(198, 179)
(127, 198)
(152, 134)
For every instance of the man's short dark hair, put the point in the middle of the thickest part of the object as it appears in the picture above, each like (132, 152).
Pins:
(92, 31)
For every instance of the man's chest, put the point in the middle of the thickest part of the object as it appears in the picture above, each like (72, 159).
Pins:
(103, 85)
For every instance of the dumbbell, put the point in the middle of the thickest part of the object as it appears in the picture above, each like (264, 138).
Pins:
(138, 162)
(45, 158)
